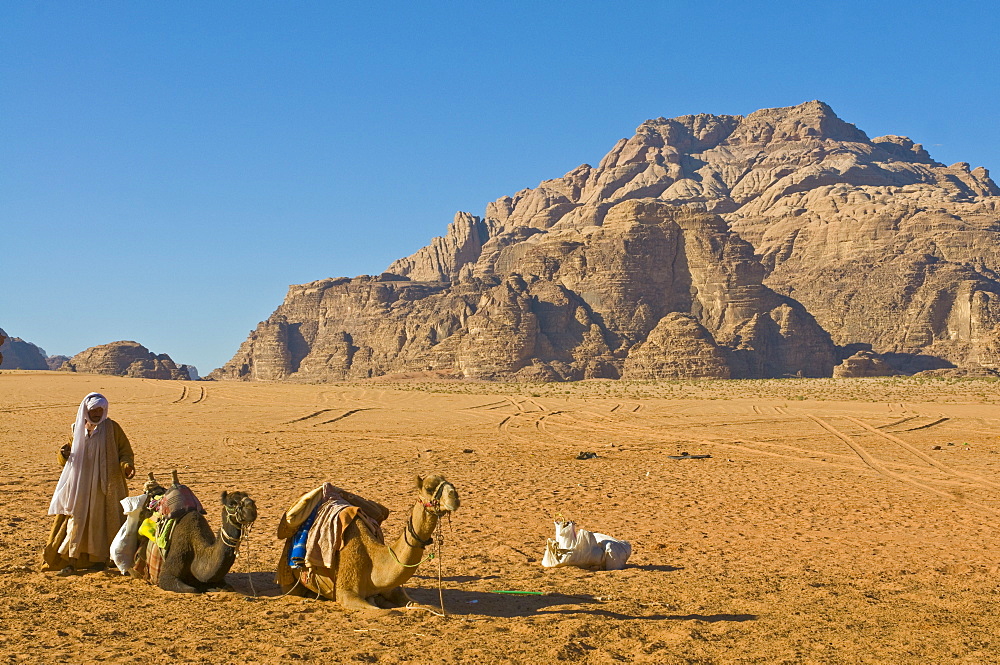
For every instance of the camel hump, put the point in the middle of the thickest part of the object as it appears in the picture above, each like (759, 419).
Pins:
(178, 501)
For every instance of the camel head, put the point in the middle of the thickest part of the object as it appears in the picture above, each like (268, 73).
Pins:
(240, 507)
(437, 494)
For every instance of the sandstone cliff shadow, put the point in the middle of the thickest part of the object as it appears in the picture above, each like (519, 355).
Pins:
(911, 363)
(298, 347)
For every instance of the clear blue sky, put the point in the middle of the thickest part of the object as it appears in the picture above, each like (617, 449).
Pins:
(167, 169)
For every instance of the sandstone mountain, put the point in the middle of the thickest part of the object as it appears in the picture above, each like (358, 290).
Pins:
(126, 359)
(15, 353)
(704, 246)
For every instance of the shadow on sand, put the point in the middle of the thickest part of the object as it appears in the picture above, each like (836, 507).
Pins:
(501, 605)
(478, 603)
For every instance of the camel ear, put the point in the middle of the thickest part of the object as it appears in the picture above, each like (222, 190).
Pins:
(420, 482)
(224, 496)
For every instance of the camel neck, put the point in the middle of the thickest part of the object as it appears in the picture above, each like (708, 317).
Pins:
(230, 532)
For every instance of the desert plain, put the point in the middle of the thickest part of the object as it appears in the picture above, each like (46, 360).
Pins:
(835, 521)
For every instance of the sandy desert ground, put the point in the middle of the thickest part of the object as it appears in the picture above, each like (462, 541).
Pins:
(837, 521)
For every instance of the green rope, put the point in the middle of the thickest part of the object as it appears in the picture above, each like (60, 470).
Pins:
(409, 565)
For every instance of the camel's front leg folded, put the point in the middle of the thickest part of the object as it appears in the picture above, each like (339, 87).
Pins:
(352, 601)
(397, 597)
(168, 582)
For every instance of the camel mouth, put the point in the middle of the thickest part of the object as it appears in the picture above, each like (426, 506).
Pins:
(438, 494)
(248, 512)
(449, 501)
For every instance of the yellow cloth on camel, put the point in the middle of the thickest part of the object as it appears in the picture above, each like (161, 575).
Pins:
(148, 529)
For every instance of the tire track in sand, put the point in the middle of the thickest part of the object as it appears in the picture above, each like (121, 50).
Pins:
(307, 417)
(883, 470)
(342, 416)
(927, 458)
(633, 436)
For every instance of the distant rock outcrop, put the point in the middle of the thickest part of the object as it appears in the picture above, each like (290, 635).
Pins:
(56, 362)
(15, 353)
(126, 359)
(703, 246)
(863, 363)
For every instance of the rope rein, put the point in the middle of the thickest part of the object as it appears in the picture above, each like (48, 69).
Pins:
(409, 565)
(433, 506)
(440, 540)
(243, 529)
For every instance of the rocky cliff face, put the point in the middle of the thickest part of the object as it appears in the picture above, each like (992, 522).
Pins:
(601, 302)
(126, 359)
(15, 353)
(703, 246)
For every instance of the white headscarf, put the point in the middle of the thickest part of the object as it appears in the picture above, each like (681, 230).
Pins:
(85, 466)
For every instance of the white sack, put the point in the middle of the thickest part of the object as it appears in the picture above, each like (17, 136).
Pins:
(126, 542)
(616, 552)
(578, 547)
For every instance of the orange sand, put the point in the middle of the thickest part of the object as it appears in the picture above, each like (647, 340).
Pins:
(825, 528)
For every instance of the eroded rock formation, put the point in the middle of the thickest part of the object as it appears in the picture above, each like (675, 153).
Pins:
(15, 353)
(126, 359)
(703, 246)
(555, 306)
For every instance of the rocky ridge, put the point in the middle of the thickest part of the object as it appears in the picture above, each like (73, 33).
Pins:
(126, 358)
(703, 246)
(56, 362)
(16, 353)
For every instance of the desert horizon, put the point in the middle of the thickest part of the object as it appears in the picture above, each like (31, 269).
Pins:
(835, 521)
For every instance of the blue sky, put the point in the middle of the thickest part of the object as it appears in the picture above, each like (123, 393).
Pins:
(168, 169)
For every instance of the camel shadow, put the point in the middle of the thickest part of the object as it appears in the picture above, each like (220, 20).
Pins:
(662, 567)
(456, 578)
(251, 585)
(500, 605)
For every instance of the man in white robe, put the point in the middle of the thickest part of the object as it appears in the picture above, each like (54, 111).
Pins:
(87, 500)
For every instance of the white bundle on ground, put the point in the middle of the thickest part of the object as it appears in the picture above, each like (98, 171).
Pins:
(578, 547)
(126, 541)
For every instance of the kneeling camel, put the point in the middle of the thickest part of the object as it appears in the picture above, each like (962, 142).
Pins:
(198, 559)
(366, 568)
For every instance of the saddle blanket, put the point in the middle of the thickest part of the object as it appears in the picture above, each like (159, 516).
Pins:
(326, 536)
(178, 500)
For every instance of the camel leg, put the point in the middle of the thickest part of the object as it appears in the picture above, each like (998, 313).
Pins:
(170, 583)
(397, 597)
(352, 601)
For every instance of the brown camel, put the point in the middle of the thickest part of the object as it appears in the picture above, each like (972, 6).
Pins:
(366, 568)
(197, 559)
